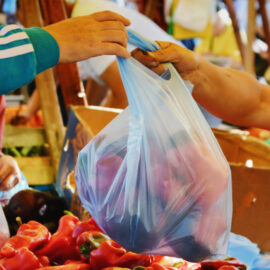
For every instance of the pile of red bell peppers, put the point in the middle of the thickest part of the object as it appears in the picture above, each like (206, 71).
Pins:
(81, 245)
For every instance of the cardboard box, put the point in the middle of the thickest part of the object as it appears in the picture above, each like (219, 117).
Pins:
(84, 123)
(249, 159)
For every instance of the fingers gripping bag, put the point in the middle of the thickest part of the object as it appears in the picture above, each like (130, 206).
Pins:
(155, 179)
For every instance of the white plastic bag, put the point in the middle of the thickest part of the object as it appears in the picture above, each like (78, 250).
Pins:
(4, 231)
(194, 14)
(155, 179)
(6, 195)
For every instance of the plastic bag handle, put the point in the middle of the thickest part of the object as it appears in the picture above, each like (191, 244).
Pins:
(141, 42)
(146, 44)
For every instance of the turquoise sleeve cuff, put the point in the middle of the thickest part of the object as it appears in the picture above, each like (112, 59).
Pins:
(45, 46)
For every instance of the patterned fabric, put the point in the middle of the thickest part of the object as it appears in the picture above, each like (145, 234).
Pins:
(23, 54)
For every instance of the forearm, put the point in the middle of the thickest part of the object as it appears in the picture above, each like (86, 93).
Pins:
(229, 94)
(33, 103)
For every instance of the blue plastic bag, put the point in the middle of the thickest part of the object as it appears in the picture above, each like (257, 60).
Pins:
(5, 196)
(155, 179)
(4, 230)
(247, 252)
(243, 249)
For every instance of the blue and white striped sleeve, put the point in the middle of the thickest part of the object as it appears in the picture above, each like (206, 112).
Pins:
(23, 54)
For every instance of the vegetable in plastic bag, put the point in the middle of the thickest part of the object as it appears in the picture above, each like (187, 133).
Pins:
(155, 179)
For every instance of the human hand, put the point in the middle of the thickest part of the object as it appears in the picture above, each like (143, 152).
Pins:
(9, 173)
(20, 119)
(101, 33)
(186, 62)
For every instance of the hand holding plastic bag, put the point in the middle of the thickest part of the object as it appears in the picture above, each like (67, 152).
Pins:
(155, 179)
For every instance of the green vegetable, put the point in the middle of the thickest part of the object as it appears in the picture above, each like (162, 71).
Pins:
(177, 264)
(15, 152)
(67, 212)
(229, 259)
(85, 249)
(26, 150)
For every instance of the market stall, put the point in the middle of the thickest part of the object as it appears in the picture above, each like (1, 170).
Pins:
(152, 186)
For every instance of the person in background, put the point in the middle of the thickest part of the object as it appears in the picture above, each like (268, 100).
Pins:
(260, 47)
(38, 49)
(9, 9)
(221, 43)
(25, 113)
(189, 19)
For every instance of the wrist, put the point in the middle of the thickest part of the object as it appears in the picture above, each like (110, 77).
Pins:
(207, 71)
(201, 78)
(202, 63)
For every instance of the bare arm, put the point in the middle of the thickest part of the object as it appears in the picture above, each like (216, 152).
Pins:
(31, 108)
(232, 95)
(33, 103)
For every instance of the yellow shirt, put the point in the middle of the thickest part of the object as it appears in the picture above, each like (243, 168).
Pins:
(224, 44)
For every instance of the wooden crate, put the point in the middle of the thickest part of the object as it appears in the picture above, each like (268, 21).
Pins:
(37, 170)
(249, 159)
(239, 148)
(23, 136)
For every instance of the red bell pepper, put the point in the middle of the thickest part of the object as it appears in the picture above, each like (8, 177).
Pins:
(178, 264)
(106, 255)
(23, 259)
(214, 265)
(228, 267)
(62, 245)
(88, 241)
(158, 266)
(111, 254)
(131, 259)
(182, 265)
(85, 226)
(115, 268)
(44, 260)
(31, 235)
(185, 265)
(69, 265)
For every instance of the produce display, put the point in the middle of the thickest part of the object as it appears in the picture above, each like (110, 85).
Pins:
(25, 151)
(82, 245)
(259, 133)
